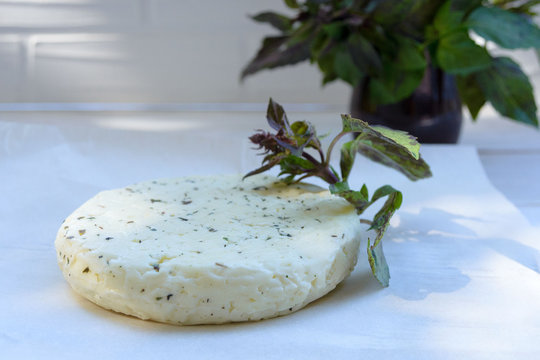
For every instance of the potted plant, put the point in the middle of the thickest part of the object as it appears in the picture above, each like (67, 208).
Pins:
(411, 63)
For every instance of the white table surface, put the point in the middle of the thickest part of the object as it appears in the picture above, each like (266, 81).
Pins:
(464, 255)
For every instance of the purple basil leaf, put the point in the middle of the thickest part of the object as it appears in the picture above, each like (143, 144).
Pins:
(297, 151)
(278, 21)
(277, 118)
(272, 55)
(270, 164)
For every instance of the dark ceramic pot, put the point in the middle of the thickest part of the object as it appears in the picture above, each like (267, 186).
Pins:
(432, 113)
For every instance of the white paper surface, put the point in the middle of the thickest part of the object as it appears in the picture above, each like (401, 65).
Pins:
(464, 262)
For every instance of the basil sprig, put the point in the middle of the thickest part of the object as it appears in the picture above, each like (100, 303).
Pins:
(288, 147)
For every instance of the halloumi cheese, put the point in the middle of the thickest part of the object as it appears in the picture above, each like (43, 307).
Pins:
(208, 250)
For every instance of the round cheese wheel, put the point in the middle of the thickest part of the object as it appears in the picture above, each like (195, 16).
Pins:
(206, 250)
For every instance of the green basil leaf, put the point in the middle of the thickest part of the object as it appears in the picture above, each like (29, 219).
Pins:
(339, 187)
(385, 191)
(395, 85)
(457, 54)
(393, 202)
(386, 154)
(364, 191)
(390, 12)
(402, 138)
(410, 55)
(505, 28)
(448, 18)
(422, 13)
(378, 264)
(401, 156)
(355, 198)
(336, 30)
(296, 165)
(364, 55)
(471, 94)
(344, 66)
(326, 63)
(380, 223)
(397, 137)
(401, 74)
(509, 91)
(464, 6)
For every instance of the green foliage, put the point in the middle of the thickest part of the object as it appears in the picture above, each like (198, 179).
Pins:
(386, 46)
(458, 54)
(287, 149)
(507, 29)
(471, 94)
(509, 91)
(402, 73)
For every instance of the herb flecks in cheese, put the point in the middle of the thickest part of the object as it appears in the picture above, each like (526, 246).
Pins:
(235, 251)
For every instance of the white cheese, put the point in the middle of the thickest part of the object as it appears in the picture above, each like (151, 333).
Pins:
(204, 250)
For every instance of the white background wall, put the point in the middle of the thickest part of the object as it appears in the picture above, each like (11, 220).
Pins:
(152, 51)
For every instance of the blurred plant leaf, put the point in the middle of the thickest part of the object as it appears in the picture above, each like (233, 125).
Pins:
(326, 63)
(508, 89)
(455, 52)
(344, 66)
(464, 6)
(336, 30)
(278, 21)
(400, 76)
(448, 17)
(505, 28)
(293, 4)
(274, 54)
(364, 55)
(319, 43)
(458, 54)
(471, 94)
